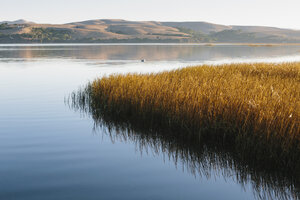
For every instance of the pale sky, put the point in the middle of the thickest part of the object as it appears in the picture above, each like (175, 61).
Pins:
(279, 13)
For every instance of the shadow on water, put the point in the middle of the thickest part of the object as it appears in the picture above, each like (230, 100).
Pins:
(201, 156)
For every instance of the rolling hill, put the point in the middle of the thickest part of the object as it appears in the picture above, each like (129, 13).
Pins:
(118, 30)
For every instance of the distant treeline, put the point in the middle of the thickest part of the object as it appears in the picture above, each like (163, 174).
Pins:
(55, 35)
(49, 35)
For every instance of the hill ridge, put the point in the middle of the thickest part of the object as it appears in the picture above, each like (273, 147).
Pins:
(120, 30)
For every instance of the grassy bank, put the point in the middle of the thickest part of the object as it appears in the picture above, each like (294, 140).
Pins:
(254, 106)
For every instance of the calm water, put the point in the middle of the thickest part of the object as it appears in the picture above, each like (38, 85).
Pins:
(49, 150)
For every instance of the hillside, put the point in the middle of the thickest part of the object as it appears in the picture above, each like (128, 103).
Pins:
(117, 30)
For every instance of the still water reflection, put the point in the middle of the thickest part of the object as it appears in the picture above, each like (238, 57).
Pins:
(48, 151)
(150, 52)
(203, 157)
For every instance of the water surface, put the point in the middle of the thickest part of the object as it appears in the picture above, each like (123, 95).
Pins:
(51, 151)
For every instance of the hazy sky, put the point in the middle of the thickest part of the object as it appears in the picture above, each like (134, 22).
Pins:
(280, 13)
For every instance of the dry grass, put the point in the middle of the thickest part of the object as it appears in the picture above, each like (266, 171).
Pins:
(260, 101)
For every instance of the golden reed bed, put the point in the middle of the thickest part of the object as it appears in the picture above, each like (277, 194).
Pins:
(256, 106)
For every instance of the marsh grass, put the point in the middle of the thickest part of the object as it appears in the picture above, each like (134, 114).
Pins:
(241, 119)
(254, 107)
(202, 157)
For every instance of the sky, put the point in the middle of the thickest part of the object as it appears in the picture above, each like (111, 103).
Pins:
(278, 13)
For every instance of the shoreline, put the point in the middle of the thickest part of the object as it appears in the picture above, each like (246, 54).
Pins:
(161, 43)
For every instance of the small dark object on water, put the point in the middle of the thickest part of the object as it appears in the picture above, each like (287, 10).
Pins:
(143, 60)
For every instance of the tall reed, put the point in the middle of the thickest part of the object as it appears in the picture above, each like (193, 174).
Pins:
(255, 106)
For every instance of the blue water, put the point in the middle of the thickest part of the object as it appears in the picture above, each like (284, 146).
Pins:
(49, 151)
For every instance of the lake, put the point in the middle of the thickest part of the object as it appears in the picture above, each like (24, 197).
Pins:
(50, 149)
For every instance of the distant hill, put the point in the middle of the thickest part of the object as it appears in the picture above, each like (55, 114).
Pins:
(20, 21)
(118, 30)
(203, 27)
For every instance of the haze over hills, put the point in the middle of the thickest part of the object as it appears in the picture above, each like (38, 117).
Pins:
(118, 30)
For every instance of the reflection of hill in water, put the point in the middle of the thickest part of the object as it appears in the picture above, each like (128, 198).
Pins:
(148, 52)
(200, 156)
